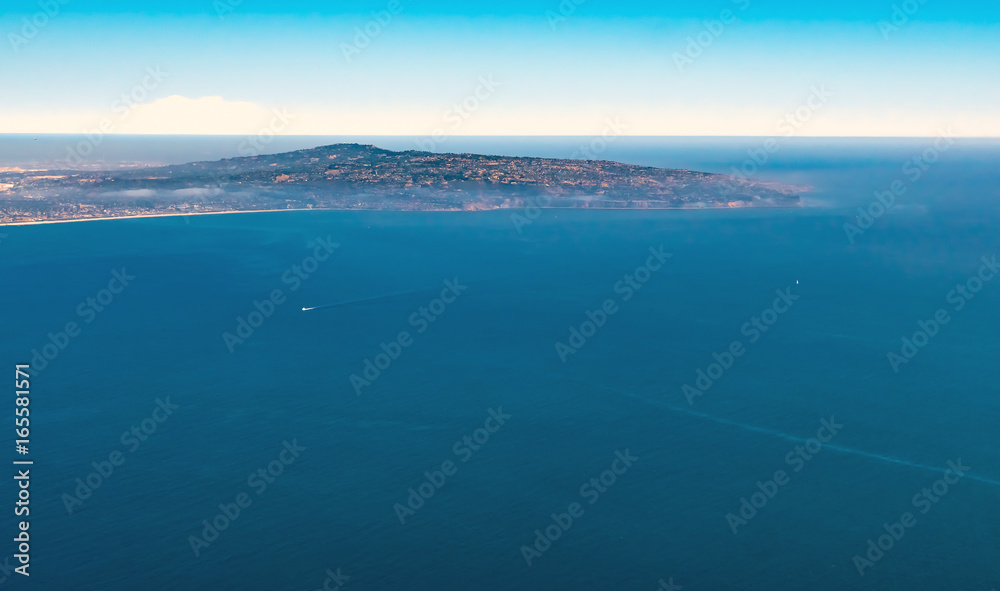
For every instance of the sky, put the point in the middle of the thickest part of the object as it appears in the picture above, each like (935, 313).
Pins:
(558, 67)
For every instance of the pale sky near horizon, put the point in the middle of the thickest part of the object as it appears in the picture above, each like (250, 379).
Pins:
(575, 67)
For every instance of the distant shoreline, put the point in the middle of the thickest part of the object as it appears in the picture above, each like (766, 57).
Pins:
(512, 209)
(150, 215)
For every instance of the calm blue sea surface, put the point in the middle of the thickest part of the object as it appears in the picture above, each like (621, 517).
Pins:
(332, 505)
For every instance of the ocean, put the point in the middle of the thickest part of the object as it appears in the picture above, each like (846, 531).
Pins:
(750, 399)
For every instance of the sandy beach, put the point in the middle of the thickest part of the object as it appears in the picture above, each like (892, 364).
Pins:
(152, 215)
(513, 209)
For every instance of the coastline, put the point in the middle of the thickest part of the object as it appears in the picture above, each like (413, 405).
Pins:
(150, 215)
(178, 215)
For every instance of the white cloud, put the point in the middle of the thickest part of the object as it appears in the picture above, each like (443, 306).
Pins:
(196, 192)
(211, 115)
(136, 193)
(215, 115)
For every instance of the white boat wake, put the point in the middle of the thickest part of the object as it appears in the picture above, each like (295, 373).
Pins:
(367, 299)
(793, 438)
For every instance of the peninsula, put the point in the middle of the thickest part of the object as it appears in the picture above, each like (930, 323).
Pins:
(353, 176)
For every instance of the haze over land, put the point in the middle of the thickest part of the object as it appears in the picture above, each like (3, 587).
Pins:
(353, 176)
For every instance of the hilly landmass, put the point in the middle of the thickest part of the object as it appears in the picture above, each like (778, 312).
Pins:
(353, 176)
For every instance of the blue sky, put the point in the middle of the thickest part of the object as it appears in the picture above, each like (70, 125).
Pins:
(733, 67)
(978, 11)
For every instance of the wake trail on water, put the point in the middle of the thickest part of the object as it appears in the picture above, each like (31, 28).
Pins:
(366, 299)
(789, 437)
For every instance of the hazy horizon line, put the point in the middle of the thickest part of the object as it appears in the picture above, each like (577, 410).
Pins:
(404, 135)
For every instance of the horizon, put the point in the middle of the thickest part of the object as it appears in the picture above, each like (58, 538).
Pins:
(528, 136)
(733, 155)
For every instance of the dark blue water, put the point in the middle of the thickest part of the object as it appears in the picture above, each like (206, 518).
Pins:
(493, 347)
